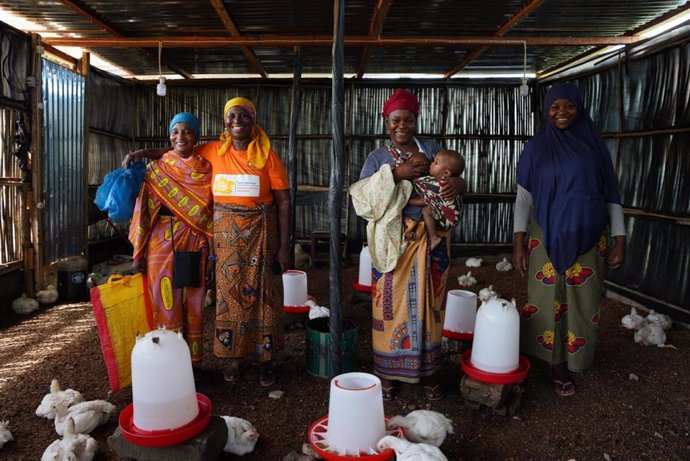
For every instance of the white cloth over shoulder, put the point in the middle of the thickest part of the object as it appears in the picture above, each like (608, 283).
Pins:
(380, 201)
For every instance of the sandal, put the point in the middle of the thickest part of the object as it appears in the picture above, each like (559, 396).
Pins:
(433, 393)
(234, 371)
(564, 388)
(267, 375)
(387, 390)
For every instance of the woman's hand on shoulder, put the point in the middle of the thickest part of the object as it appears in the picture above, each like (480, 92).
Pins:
(452, 187)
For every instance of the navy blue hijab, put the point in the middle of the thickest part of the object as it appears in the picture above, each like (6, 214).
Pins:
(570, 176)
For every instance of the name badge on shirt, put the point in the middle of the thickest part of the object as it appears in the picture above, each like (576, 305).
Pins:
(236, 185)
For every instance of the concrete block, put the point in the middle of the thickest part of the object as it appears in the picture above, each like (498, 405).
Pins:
(206, 446)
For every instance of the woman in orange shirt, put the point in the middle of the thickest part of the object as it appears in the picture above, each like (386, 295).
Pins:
(251, 238)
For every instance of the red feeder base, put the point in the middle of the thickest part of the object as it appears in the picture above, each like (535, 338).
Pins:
(457, 335)
(317, 439)
(517, 375)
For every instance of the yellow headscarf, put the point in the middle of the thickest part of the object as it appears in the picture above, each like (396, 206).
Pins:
(259, 146)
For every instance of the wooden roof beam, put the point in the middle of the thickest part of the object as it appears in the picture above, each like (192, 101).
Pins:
(318, 41)
(91, 17)
(234, 32)
(504, 29)
(375, 28)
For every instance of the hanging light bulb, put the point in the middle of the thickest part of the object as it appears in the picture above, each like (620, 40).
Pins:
(161, 89)
(524, 89)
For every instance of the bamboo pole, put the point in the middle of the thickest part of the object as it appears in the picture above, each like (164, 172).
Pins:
(292, 146)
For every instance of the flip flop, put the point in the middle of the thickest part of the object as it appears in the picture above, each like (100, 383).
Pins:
(267, 375)
(234, 371)
(388, 392)
(564, 388)
(433, 393)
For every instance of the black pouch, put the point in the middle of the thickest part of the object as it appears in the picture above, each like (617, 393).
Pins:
(186, 268)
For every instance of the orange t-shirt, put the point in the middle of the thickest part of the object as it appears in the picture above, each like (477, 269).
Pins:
(234, 181)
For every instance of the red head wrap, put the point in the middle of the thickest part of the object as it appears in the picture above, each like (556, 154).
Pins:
(401, 99)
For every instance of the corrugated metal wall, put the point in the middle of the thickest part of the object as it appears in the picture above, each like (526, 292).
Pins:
(64, 163)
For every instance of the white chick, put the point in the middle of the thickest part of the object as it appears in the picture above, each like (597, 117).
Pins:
(47, 296)
(316, 311)
(504, 266)
(5, 434)
(663, 320)
(87, 415)
(474, 262)
(69, 396)
(24, 305)
(487, 293)
(467, 280)
(72, 447)
(632, 321)
(302, 259)
(423, 426)
(650, 335)
(242, 436)
(408, 451)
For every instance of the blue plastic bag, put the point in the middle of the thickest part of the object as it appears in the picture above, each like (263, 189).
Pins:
(118, 193)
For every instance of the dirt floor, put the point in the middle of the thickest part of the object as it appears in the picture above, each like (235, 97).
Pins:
(634, 404)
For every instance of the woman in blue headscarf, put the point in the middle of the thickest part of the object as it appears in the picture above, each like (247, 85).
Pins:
(567, 197)
(174, 213)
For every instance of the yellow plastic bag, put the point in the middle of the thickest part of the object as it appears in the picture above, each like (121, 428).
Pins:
(122, 307)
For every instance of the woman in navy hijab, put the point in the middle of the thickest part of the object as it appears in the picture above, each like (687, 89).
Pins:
(567, 204)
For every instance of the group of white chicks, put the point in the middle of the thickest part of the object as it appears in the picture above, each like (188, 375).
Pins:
(75, 418)
(424, 431)
(25, 305)
(650, 330)
(468, 280)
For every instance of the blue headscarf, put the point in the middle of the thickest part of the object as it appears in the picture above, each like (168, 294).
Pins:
(570, 176)
(188, 119)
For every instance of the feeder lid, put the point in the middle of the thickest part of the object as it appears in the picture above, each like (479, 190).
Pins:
(514, 376)
(317, 439)
(165, 438)
(359, 287)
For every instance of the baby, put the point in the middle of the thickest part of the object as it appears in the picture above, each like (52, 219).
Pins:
(439, 214)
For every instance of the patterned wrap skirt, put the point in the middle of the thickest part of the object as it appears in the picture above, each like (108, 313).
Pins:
(560, 322)
(408, 309)
(248, 312)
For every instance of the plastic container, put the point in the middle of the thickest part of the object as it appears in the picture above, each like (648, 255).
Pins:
(163, 391)
(496, 345)
(318, 355)
(71, 278)
(355, 414)
(364, 267)
(294, 288)
(461, 312)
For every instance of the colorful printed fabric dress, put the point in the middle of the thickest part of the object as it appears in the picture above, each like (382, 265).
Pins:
(176, 195)
(407, 302)
(248, 311)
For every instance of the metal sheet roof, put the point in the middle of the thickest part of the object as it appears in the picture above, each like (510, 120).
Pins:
(368, 25)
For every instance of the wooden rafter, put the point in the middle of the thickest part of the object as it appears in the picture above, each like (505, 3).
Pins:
(234, 32)
(94, 19)
(355, 40)
(504, 29)
(375, 28)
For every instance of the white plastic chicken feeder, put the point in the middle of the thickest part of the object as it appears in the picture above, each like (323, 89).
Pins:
(355, 414)
(295, 291)
(163, 390)
(363, 282)
(496, 345)
(461, 312)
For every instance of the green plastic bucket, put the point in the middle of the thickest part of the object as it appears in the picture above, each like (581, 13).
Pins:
(319, 349)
